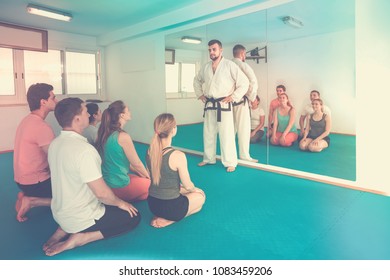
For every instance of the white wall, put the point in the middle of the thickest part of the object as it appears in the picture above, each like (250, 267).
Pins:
(186, 110)
(373, 98)
(135, 72)
(10, 117)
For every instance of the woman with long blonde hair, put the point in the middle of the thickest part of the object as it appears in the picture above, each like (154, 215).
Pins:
(119, 155)
(284, 131)
(172, 194)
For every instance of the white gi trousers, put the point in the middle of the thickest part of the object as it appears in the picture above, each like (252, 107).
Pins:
(225, 129)
(242, 125)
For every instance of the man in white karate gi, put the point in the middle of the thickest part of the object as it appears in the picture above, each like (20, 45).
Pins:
(241, 110)
(218, 84)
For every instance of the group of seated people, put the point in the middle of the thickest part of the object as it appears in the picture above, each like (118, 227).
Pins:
(90, 186)
(315, 122)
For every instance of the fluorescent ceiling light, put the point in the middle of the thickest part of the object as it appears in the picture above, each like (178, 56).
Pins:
(293, 22)
(191, 40)
(50, 13)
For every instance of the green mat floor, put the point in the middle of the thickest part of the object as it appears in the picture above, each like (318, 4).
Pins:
(339, 160)
(249, 215)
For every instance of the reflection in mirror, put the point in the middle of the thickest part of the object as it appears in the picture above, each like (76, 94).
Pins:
(318, 56)
(184, 104)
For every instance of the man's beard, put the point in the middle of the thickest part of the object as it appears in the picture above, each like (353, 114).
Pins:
(214, 58)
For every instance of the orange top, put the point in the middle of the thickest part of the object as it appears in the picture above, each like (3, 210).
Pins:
(30, 160)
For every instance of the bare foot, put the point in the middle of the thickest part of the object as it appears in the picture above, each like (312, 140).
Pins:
(62, 246)
(230, 168)
(25, 206)
(59, 235)
(19, 201)
(74, 240)
(203, 163)
(159, 222)
(250, 159)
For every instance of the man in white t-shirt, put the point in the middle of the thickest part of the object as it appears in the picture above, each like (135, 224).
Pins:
(257, 121)
(84, 207)
(308, 110)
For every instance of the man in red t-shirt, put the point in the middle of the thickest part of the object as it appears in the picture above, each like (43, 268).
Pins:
(32, 139)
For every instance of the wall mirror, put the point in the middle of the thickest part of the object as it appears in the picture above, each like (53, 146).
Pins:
(318, 55)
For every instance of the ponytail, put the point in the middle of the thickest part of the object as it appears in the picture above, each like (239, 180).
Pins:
(155, 155)
(163, 126)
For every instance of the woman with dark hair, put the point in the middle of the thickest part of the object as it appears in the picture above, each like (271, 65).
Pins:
(172, 194)
(95, 116)
(316, 135)
(119, 155)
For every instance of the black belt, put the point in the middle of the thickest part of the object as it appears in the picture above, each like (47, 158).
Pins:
(243, 100)
(216, 106)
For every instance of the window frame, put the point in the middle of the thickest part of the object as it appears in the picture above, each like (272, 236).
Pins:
(19, 98)
(180, 93)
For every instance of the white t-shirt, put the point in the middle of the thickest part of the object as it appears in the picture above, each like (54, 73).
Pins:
(255, 117)
(91, 133)
(73, 163)
(309, 110)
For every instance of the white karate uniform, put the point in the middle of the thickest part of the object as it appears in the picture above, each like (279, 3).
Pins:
(241, 112)
(227, 80)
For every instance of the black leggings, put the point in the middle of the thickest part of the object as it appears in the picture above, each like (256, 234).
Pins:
(114, 222)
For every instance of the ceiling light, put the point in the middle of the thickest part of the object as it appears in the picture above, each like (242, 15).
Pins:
(293, 22)
(46, 12)
(191, 40)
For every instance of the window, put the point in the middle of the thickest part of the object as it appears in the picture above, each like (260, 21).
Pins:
(187, 75)
(81, 73)
(172, 78)
(41, 66)
(7, 85)
(179, 78)
(69, 72)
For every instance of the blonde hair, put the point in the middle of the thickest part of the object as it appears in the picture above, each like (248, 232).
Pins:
(163, 126)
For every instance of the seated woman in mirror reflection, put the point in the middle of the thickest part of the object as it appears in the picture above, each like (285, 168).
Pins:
(257, 121)
(308, 110)
(119, 155)
(284, 131)
(172, 194)
(316, 135)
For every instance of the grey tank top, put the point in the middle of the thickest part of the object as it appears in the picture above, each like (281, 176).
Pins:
(316, 127)
(169, 186)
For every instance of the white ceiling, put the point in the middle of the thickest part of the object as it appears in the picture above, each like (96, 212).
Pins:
(90, 17)
(102, 18)
(318, 17)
